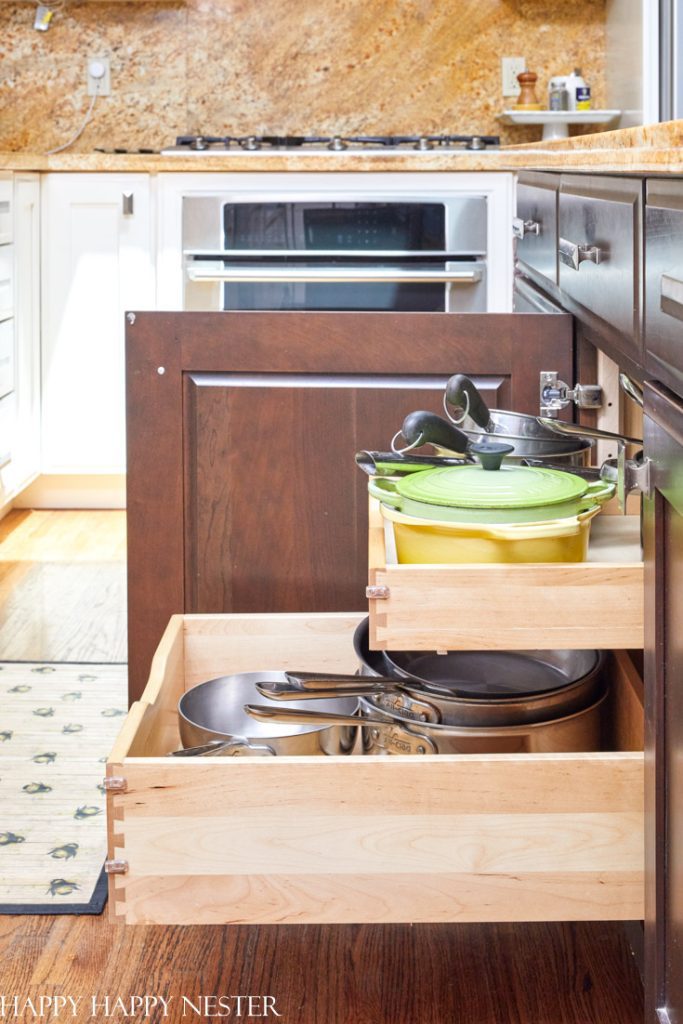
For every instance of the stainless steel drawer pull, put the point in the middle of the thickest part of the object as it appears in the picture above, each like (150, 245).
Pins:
(128, 203)
(376, 275)
(5, 459)
(573, 255)
(520, 227)
(671, 300)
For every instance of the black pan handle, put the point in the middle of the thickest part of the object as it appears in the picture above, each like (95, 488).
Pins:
(464, 394)
(424, 427)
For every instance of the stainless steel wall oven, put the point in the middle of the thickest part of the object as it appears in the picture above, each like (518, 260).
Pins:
(294, 251)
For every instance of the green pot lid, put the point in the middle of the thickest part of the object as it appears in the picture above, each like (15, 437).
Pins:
(508, 487)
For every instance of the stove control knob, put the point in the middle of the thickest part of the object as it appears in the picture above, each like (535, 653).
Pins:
(251, 142)
(476, 142)
(337, 144)
(423, 143)
(199, 143)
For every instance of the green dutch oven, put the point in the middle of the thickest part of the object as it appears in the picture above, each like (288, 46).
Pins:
(472, 494)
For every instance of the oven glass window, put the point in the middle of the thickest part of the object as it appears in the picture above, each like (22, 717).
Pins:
(357, 226)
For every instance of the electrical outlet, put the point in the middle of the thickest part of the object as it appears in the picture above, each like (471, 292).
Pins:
(97, 72)
(511, 67)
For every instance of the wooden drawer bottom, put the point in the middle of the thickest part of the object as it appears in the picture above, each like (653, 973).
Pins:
(504, 837)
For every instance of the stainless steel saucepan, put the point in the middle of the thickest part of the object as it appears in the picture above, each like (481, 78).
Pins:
(529, 437)
(388, 733)
(213, 722)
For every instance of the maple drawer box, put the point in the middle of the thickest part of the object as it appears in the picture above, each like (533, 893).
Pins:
(499, 837)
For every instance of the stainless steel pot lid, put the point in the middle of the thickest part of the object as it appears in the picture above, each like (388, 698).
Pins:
(218, 706)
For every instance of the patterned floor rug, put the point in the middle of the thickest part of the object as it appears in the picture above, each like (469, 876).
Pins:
(57, 725)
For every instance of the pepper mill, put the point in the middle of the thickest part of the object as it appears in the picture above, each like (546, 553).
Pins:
(527, 98)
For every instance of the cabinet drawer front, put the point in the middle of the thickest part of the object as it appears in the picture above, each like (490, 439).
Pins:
(6, 281)
(8, 416)
(537, 223)
(664, 282)
(6, 209)
(599, 253)
(6, 357)
(358, 839)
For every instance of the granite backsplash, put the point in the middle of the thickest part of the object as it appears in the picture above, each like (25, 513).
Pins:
(283, 66)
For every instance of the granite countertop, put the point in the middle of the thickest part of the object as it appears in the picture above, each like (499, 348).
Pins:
(654, 149)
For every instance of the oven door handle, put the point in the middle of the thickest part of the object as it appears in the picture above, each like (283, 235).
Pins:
(377, 275)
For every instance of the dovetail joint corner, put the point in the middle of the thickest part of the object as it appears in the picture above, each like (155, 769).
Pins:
(116, 867)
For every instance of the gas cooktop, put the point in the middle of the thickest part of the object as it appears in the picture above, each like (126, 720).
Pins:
(215, 145)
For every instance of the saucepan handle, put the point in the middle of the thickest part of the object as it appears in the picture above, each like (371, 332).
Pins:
(462, 393)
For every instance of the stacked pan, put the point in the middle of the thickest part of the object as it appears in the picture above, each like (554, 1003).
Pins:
(405, 703)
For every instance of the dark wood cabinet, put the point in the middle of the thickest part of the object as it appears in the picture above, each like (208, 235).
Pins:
(663, 536)
(243, 494)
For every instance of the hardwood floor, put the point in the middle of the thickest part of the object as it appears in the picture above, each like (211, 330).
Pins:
(400, 974)
(63, 586)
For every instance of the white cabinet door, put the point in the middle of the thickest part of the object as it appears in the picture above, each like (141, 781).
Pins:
(98, 261)
(26, 457)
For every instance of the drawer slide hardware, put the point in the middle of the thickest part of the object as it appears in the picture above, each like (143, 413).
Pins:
(634, 475)
(116, 867)
(115, 784)
(377, 593)
(555, 395)
(521, 228)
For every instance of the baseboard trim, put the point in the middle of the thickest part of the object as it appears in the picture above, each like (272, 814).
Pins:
(61, 491)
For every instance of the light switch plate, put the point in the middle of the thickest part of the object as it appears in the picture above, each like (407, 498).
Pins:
(511, 67)
(97, 72)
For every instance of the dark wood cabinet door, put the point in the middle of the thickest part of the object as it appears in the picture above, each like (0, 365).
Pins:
(663, 536)
(243, 493)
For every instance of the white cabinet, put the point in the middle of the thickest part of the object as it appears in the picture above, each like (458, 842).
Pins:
(19, 334)
(98, 262)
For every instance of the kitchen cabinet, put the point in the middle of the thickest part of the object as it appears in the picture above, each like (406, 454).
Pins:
(664, 704)
(20, 336)
(664, 282)
(98, 261)
(535, 226)
(350, 839)
(243, 495)
(600, 238)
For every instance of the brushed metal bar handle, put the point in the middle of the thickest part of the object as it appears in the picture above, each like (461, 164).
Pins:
(128, 203)
(521, 227)
(671, 297)
(332, 274)
(5, 459)
(573, 255)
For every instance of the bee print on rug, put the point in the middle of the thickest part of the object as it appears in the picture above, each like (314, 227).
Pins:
(20, 688)
(10, 838)
(65, 852)
(36, 787)
(61, 887)
(47, 758)
(44, 712)
(87, 811)
(72, 727)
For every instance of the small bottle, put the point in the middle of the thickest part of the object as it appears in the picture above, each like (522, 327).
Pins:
(558, 98)
(579, 91)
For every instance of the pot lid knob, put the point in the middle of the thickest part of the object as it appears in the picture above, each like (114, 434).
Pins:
(491, 453)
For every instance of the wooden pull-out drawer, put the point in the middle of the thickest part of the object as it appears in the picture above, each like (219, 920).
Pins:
(504, 837)
(514, 606)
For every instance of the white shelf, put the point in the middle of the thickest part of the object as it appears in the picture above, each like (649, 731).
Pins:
(556, 122)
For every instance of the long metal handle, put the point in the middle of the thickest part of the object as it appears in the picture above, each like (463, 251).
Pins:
(521, 227)
(671, 299)
(560, 427)
(358, 275)
(631, 388)
(128, 204)
(573, 255)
